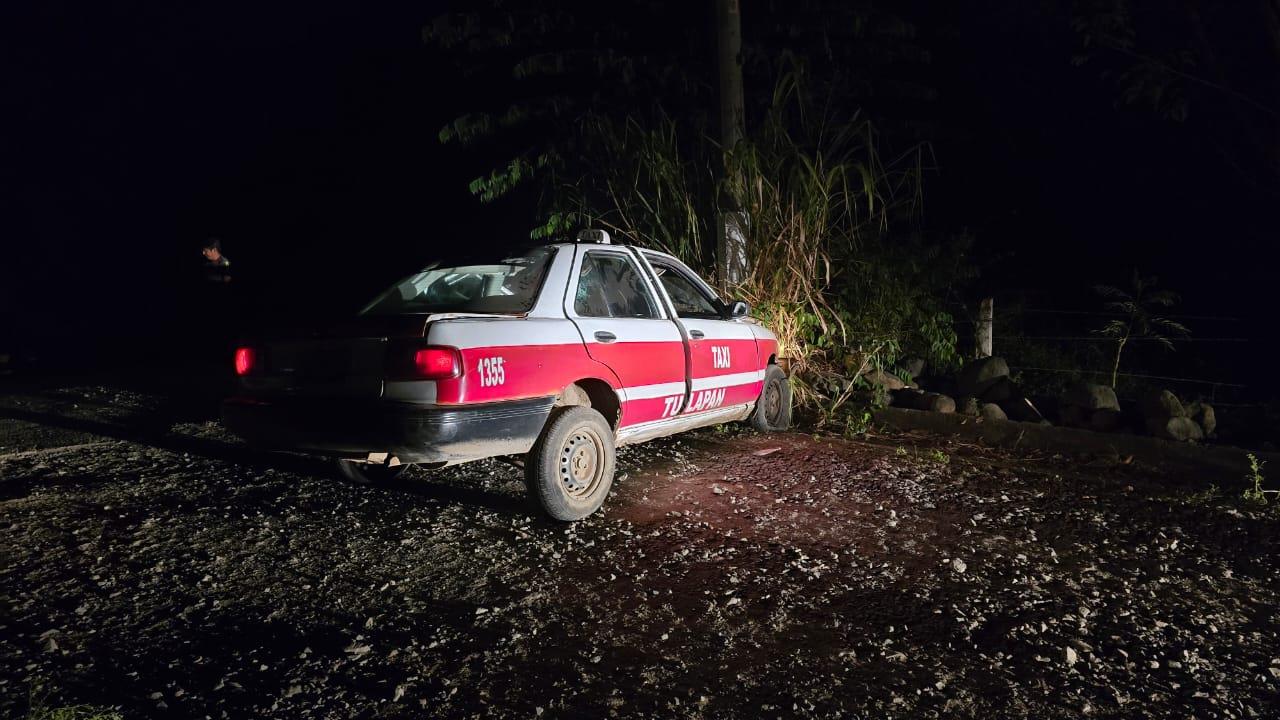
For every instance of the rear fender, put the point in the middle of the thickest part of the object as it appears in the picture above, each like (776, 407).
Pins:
(514, 359)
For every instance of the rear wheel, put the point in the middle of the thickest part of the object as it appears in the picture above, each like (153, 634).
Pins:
(773, 407)
(363, 473)
(570, 469)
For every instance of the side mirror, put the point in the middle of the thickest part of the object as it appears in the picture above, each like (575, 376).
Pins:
(738, 309)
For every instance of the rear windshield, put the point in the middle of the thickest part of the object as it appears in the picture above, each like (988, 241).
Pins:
(508, 287)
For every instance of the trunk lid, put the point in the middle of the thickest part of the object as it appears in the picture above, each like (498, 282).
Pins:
(345, 360)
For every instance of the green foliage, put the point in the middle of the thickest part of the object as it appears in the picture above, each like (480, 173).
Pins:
(1107, 26)
(556, 70)
(73, 712)
(550, 64)
(1137, 308)
(1206, 497)
(39, 709)
(649, 183)
(859, 418)
(1255, 495)
(1172, 60)
(858, 422)
(619, 132)
(837, 269)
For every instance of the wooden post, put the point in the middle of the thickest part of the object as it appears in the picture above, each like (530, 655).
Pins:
(982, 334)
(731, 239)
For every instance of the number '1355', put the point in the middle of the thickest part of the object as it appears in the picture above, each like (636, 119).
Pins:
(491, 371)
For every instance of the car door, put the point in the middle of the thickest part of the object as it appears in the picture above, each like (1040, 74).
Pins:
(723, 358)
(624, 326)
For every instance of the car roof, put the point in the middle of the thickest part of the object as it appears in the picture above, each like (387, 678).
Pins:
(592, 246)
(611, 246)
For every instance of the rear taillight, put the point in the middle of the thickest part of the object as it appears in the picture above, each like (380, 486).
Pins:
(410, 360)
(246, 360)
(437, 363)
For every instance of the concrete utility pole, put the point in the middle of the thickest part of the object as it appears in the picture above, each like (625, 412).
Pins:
(731, 231)
(982, 335)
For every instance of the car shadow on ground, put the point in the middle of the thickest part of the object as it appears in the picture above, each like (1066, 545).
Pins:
(154, 431)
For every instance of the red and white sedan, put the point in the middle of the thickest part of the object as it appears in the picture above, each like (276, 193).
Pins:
(560, 354)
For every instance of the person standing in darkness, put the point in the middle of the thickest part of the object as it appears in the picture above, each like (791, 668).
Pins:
(217, 266)
(219, 310)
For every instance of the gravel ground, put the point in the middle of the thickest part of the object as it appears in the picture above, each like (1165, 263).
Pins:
(151, 563)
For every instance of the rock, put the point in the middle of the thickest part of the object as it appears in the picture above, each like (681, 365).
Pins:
(1091, 396)
(968, 406)
(1022, 410)
(1002, 389)
(1104, 420)
(886, 380)
(958, 565)
(1208, 419)
(1163, 404)
(1181, 429)
(912, 367)
(941, 403)
(981, 374)
(918, 400)
(1072, 658)
(992, 411)
(1166, 417)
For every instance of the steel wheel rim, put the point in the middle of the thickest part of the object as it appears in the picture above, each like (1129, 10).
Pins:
(773, 403)
(581, 463)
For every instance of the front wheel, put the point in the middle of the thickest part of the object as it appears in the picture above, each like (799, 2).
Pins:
(773, 407)
(363, 473)
(570, 469)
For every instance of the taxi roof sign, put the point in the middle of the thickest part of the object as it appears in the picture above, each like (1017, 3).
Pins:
(595, 236)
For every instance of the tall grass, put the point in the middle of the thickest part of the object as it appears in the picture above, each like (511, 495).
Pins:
(838, 267)
(652, 186)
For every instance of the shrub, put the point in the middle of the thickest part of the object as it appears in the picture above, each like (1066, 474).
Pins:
(838, 267)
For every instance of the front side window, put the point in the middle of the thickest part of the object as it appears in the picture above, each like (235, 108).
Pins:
(688, 299)
(509, 286)
(609, 285)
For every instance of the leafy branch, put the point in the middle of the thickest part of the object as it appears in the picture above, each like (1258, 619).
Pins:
(1138, 307)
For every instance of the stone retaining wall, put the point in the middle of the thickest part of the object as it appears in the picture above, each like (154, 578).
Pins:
(1222, 461)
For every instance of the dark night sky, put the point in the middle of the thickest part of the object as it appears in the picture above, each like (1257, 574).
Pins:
(305, 136)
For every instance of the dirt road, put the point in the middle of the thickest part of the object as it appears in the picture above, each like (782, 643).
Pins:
(152, 563)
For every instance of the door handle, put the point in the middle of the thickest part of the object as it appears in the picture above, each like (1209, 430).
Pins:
(605, 336)
(696, 334)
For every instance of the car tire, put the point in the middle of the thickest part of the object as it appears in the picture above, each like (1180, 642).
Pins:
(570, 469)
(773, 407)
(363, 473)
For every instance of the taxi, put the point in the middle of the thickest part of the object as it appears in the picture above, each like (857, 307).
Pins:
(559, 355)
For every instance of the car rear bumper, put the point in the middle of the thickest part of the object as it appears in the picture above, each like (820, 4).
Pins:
(411, 432)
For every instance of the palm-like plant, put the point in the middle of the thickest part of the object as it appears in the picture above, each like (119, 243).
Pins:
(1138, 307)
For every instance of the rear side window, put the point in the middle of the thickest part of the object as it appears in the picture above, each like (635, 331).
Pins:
(609, 285)
(508, 286)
